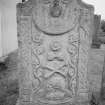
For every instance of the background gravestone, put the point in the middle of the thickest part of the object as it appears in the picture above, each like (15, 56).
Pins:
(95, 41)
(54, 41)
(103, 82)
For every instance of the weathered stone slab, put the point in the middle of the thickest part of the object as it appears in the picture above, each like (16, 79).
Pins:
(54, 42)
(96, 63)
(103, 76)
(95, 41)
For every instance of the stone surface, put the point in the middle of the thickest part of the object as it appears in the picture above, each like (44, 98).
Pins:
(96, 62)
(95, 41)
(54, 40)
(103, 81)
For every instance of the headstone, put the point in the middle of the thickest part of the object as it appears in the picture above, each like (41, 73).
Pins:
(96, 62)
(54, 39)
(95, 41)
(103, 83)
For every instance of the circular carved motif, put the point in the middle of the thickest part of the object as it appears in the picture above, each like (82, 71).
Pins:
(40, 50)
(55, 46)
(37, 39)
(71, 72)
(55, 11)
(44, 20)
(72, 49)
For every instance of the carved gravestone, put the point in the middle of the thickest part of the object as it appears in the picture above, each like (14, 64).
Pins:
(54, 41)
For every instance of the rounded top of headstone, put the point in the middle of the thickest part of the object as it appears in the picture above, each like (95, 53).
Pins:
(56, 16)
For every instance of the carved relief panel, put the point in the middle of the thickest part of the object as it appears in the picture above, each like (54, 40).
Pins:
(53, 65)
(56, 68)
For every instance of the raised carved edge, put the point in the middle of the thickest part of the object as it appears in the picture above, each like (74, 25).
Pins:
(25, 9)
(85, 5)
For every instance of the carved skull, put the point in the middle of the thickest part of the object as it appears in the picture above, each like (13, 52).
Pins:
(55, 17)
(56, 6)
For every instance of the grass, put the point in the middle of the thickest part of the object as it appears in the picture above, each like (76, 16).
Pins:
(8, 84)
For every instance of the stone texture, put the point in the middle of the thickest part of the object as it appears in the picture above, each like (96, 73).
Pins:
(103, 81)
(96, 62)
(95, 41)
(54, 41)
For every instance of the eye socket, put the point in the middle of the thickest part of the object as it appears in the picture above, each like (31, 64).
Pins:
(66, 1)
(46, 1)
